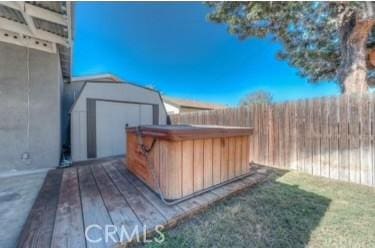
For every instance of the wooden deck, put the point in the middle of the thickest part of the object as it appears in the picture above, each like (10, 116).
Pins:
(105, 193)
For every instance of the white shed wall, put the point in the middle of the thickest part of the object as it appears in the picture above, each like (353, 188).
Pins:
(121, 92)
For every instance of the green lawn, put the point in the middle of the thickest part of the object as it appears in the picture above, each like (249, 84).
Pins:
(289, 210)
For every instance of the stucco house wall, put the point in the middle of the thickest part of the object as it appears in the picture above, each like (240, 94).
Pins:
(30, 108)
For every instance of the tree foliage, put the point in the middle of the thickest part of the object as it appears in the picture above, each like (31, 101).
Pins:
(312, 33)
(257, 97)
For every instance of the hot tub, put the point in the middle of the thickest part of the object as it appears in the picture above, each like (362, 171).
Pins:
(184, 159)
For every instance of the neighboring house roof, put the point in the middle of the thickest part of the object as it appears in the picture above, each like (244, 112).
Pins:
(100, 77)
(45, 26)
(192, 103)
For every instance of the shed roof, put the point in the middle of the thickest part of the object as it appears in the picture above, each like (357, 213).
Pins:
(115, 83)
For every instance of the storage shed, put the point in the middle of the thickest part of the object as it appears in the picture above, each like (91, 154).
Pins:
(102, 111)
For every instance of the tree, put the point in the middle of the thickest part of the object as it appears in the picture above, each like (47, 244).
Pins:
(323, 40)
(257, 97)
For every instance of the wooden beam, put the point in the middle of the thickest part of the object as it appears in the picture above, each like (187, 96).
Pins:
(29, 20)
(52, 37)
(23, 29)
(45, 14)
(13, 5)
(37, 12)
(14, 26)
(69, 19)
(27, 41)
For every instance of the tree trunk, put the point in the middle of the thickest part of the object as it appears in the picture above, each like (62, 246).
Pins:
(353, 70)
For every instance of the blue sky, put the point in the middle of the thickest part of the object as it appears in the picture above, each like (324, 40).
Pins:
(172, 47)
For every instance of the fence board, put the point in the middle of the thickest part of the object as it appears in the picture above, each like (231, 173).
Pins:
(281, 137)
(324, 140)
(265, 126)
(270, 136)
(330, 136)
(286, 136)
(365, 136)
(316, 136)
(299, 139)
(343, 139)
(334, 138)
(277, 137)
(256, 134)
(308, 151)
(354, 154)
(372, 114)
(293, 131)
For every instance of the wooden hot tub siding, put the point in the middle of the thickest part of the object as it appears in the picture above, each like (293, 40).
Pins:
(184, 166)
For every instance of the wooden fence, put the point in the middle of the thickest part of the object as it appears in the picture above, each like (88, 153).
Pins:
(332, 137)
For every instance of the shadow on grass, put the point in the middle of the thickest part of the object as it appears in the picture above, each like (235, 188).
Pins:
(271, 214)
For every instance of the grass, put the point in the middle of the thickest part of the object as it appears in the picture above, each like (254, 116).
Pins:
(289, 210)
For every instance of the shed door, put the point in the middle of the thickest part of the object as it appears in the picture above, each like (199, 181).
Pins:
(111, 119)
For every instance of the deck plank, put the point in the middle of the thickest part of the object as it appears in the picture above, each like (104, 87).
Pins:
(105, 193)
(169, 212)
(118, 208)
(38, 229)
(68, 230)
(147, 213)
(94, 210)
